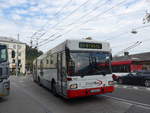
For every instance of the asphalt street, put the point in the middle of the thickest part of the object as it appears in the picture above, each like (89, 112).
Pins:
(28, 97)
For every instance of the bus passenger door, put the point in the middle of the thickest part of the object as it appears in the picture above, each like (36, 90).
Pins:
(61, 72)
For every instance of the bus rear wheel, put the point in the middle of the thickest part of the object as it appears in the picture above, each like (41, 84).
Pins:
(54, 88)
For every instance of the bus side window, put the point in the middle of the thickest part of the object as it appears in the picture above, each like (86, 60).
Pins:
(51, 59)
(41, 68)
(63, 65)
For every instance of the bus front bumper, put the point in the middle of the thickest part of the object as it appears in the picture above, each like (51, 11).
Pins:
(4, 88)
(88, 92)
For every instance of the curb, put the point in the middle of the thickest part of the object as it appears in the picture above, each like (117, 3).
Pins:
(132, 87)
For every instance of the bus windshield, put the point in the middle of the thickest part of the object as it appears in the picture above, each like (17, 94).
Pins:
(88, 63)
(3, 53)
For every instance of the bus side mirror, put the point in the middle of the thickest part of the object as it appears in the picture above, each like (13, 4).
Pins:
(107, 58)
(111, 58)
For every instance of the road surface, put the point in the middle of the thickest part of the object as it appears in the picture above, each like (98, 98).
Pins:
(27, 97)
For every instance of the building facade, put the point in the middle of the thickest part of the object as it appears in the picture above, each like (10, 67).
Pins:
(142, 58)
(15, 48)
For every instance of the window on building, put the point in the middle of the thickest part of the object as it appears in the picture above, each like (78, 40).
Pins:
(13, 61)
(19, 61)
(14, 46)
(47, 61)
(51, 59)
(13, 54)
(19, 46)
(19, 53)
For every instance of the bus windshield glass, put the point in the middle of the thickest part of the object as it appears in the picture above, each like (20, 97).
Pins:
(88, 63)
(3, 53)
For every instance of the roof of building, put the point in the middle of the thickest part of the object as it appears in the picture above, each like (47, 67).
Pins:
(140, 56)
(9, 39)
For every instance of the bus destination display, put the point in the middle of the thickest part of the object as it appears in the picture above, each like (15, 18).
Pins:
(90, 45)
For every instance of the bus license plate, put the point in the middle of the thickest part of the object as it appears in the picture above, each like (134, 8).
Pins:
(95, 90)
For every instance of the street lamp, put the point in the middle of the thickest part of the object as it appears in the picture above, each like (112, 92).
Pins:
(134, 31)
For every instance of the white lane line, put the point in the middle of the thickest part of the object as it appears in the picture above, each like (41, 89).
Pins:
(132, 87)
(148, 89)
(125, 86)
(135, 88)
(116, 85)
(141, 105)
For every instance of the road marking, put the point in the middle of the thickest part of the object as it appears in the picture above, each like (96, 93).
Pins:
(140, 88)
(148, 89)
(135, 88)
(116, 85)
(125, 86)
(142, 105)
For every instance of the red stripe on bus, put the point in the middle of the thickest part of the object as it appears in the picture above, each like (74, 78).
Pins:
(86, 92)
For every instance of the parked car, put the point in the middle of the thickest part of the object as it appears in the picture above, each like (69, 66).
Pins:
(115, 77)
(136, 78)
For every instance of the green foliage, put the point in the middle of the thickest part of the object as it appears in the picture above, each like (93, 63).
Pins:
(31, 54)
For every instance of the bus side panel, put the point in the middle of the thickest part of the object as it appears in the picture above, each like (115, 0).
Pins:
(61, 74)
(48, 75)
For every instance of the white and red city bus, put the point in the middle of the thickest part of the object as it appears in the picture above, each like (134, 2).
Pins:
(76, 68)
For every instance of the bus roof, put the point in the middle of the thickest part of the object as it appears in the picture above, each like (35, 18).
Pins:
(73, 44)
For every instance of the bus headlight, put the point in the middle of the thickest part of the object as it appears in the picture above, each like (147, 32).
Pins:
(73, 86)
(111, 82)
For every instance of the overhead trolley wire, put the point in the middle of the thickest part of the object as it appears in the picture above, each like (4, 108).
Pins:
(91, 11)
(105, 17)
(58, 12)
(75, 10)
(100, 14)
(140, 27)
(83, 16)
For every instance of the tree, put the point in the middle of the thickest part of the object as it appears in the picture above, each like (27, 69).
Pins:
(146, 19)
(31, 55)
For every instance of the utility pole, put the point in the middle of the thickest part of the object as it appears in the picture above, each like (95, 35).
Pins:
(17, 55)
(37, 43)
(31, 42)
(146, 19)
(128, 48)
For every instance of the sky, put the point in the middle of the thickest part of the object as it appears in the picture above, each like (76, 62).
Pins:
(58, 20)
